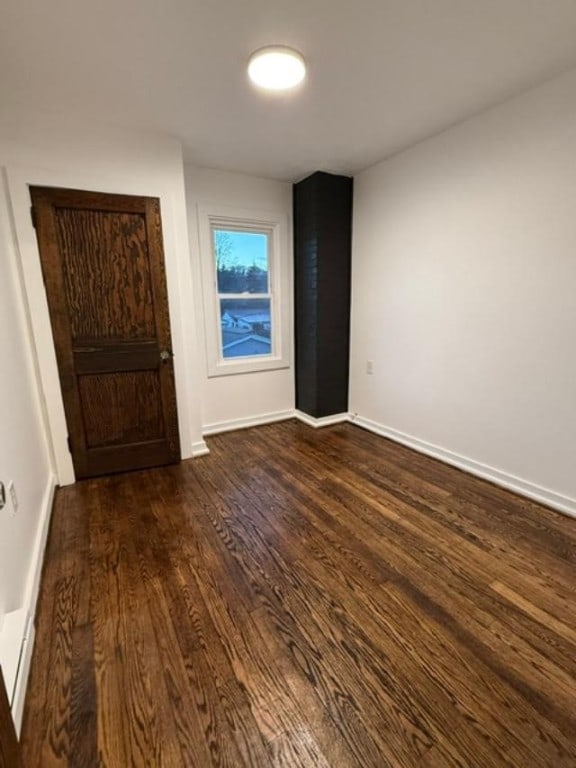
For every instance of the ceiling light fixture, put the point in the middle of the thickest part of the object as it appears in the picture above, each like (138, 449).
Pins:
(276, 68)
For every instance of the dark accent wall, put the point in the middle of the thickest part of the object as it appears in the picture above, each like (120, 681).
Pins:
(322, 256)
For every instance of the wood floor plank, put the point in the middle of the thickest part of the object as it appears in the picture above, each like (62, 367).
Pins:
(196, 706)
(457, 566)
(307, 599)
(528, 607)
(404, 559)
(255, 671)
(296, 616)
(64, 604)
(203, 650)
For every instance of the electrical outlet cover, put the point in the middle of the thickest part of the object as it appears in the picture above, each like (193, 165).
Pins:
(13, 497)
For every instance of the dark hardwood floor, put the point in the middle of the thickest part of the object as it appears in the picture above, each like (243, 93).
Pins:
(304, 598)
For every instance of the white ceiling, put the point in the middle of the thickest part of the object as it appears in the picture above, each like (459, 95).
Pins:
(383, 74)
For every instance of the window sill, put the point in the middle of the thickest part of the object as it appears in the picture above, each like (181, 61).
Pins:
(235, 367)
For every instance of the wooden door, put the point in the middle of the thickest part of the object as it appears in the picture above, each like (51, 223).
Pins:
(103, 266)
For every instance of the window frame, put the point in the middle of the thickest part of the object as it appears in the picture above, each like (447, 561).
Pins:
(275, 225)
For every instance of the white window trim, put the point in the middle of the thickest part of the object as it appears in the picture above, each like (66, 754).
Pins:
(276, 225)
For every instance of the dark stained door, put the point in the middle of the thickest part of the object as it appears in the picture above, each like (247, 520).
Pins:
(103, 265)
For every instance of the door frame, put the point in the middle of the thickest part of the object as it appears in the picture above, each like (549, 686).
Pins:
(180, 292)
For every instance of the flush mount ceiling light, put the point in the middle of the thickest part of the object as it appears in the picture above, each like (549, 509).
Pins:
(276, 68)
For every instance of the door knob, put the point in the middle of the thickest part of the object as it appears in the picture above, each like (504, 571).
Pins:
(166, 355)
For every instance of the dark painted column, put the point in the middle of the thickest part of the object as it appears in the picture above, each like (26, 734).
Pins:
(322, 253)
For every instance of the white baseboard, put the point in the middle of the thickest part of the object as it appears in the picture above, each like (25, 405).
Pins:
(12, 631)
(23, 673)
(545, 496)
(199, 449)
(323, 421)
(26, 644)
(251, 421)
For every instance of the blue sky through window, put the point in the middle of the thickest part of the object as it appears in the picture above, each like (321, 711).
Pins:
(245, 248)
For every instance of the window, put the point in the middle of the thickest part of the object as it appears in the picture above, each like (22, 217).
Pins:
(245, 270)
(243, 288)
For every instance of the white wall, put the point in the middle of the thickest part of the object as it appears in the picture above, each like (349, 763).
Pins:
(241, 398)
(24, 456)
(39, 149)
(25, 461)
(464, 293)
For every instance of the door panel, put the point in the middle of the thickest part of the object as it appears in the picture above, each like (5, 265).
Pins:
(103, 266)
(107, 252)
(99, 394)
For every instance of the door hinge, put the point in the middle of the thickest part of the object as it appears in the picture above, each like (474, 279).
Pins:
(69, 441)
(33, 216)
